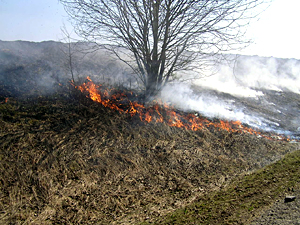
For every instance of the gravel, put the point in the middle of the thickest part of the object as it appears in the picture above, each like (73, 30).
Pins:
(281, 212)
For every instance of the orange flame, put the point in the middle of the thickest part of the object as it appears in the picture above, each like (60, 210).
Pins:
(5, 101)
(121, 103)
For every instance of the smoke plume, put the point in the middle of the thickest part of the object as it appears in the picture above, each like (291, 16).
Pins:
(261, 92)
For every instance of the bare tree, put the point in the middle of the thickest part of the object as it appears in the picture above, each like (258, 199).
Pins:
(156, 38)
(70, 51)
(74, 52)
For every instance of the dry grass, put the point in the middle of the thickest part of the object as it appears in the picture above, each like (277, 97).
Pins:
(72, 161)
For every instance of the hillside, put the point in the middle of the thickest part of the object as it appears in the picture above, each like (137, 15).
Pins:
(262, 92)
(36, 68)
(67, 159)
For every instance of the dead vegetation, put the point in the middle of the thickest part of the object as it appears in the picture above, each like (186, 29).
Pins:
(70, 160)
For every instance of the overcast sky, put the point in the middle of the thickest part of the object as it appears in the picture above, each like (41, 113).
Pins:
(276, 33)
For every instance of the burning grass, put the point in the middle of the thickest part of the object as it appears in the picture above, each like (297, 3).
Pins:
(124, 102)
(72, 160)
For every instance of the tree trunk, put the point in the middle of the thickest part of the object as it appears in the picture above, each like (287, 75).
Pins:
(153, 63)
(151, 85)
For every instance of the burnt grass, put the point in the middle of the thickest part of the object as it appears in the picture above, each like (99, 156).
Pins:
(68, 160)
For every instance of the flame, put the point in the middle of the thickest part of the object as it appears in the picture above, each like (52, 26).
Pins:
(161, 113)
(5, 101)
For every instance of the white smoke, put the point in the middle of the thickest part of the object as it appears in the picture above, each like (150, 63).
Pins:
(223, 95)
(244, 76)
(225, 81)
(183, 97)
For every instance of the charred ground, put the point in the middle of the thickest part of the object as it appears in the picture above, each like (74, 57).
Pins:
(66, 159)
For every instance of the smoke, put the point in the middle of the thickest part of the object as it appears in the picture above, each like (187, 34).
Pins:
(31, 69)
(260, 91)
(182, 96)
(253, 90)
(248, 73)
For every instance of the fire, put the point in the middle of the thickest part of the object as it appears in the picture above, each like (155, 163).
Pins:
(159, 113)
(5, 100)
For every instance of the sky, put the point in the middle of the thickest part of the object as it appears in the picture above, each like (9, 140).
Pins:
(275, 33)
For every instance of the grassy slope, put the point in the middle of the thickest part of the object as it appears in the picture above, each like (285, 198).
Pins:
(238, 202)
(69, 160)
